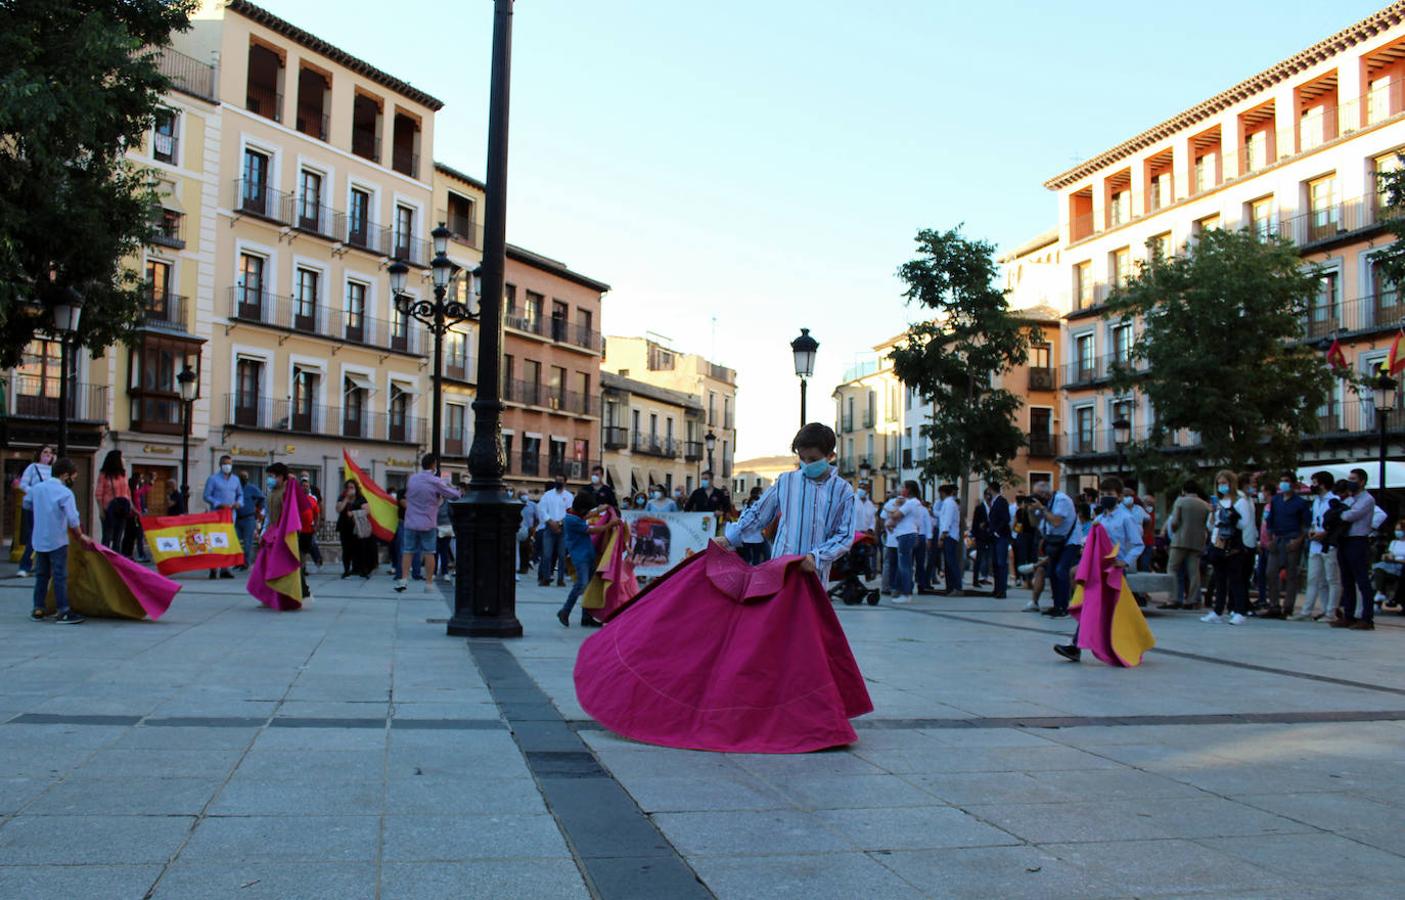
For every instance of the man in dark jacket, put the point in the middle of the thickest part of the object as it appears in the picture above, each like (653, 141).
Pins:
(604, 494)
(999, 524)
(708, 498)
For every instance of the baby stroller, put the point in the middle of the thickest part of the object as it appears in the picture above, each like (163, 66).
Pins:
(846, 575)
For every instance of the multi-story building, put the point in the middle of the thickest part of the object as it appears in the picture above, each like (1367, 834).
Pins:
(458, 201)
(869, 420)
(642, 439)
(551, 370)
(760, 471)
(1295, 151)
(651, 360)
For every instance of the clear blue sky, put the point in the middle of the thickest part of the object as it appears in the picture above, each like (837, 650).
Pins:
(767, 162)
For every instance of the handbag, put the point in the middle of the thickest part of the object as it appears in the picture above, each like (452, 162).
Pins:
(361, 522)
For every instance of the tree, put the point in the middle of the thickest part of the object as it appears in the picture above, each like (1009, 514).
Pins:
(1222, 350)
(955, 356)
(78, 85)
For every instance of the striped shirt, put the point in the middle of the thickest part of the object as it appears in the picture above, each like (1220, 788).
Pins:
(816, 517)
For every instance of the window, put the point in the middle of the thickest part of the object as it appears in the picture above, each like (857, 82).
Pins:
(158, 286)
(399, 330)
(585, 328)
(1040, 355)
(1321, 195)
(1083, 284)
(310, 200)
(460, 218)
(1206, 172)
(355, 388)
(1386, 164)
(155, 395)
(399, 413)
(355, 311)
(727, 413)
(1122, 343)
(453, 430)
(533, 311)
(531, 455)
(456, 354)
(1261, 217)
(532, 379)
(559, 314)
(163, 137)
(1084, 347)
(653, 427)
(248, 381)
(404, 233)
(307, 284)
(358, 226)
(1159, 246)
(634, 421)
(1119, 264)
(1312, 126)
(509, 299)
(712, 407)
(1387, 298)
(1323, 311)
(254, 197)
(1119, 208)
(1256, 151)
(1124, 410)
(1083, 422)
(306, 383)
(870, 414)
(1200, 226)
(249, 290)
(556, 387)
(1160, 191)
(1378, 100)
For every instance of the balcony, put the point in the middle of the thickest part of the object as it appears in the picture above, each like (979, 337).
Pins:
(1330, 223)
(405, 162)
(155, 412)
(313, 123)
(869, 417)
(186, 73)
(290, 314)
(34, 397)
(572, 469)
(164, 310)
(529, 393)
(363, 235)
(692, 450)
(615, 437)
(1042, 445)
(463, 229)
(653, 445)
(515, 390)
(257, 198)
(1373, 313)
(1041, 379)
(525, 463)
(266, 103)
(459, 370)
(261, 414)
(558, 330)
(314, 218)
(848, 424)
(366, 145)
(407, 248)
(168, 229)
(1085, 372)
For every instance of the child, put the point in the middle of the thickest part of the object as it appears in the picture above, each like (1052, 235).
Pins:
(815, 505)
(576, 534)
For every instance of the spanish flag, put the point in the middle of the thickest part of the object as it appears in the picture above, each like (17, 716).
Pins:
(189, 543)
(384, 514)
(1109, 622)
(1395, 363)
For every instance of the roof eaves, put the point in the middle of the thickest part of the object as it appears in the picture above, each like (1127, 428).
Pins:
(555, 267)
(461, 176)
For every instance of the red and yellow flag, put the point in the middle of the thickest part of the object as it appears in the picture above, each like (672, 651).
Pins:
(1396, 361)
(193, 542)
(384, 514)
(1336, 357)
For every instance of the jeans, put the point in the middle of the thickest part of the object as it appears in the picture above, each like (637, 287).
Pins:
(890, 567)
(114, 526)
(584, 564)
(754, 554)
(397, 565)
(1056, 572)
(1001, 565)
(1184, 563)
(26, 535)
(1282, 556)
(244, 529)
(1354, 556)
(1261, 576)
(919, 563)
(51, 564)
(983, 551)
(902, 580)
(1324, 582)
(551, 556)
(951, 562)
(445, 552)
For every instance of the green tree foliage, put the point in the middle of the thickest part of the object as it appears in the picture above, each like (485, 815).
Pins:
(78, 85)
(1222, 351)
(968, 339)
(1390, 260)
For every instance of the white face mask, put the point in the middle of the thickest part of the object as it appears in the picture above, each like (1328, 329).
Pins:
(226, 468)
(595, 479)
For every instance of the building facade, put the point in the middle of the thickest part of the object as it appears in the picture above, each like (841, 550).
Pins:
(458, 202)
(760, 471)
(869, 420)
(653, 361)
(1293, 151)
(647, 446)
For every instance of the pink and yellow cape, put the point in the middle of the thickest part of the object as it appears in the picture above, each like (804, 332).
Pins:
(275, 578)
(1109, 622)
(613, 584)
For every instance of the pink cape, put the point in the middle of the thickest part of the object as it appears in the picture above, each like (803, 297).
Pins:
(614, 577)
(103, 582)
(1109, 622)
(720, 655)
(275, 578)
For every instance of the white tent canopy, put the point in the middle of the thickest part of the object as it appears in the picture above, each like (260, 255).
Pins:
(1394, 472)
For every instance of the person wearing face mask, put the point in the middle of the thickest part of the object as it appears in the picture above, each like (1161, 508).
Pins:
(525, 529)
(814, 505)
(1354, 557)
(1141, 517)
(604, 494)
(1386, 572)
(659, 501)
(753, 548)
(1126, 536)
(55, 514)
(905, 522)
(1323, 576)
(34, 474)
(865, 512)
(1233, 536)
(1000, 523)
(708, 498)
(551, 512)
(1287, 519)
(641, 500)
(223, 491)
(1186, 528)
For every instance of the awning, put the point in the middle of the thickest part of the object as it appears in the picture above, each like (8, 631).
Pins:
(359, 382)
(1394, 472)
(402, 388)
(166, 190)
(634, 479)
(613, 474)
(654, 478)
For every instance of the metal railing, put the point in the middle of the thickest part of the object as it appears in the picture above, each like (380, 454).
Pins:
(314, 218)
(465, 229)
(653, 445)
(869, 417)
(164, 309)
(36, 397)
(187, 73)
(721, 373)
(365, 144)
(692, 450)
(258, 198)
(1081, 373)
(405, 162)
(264, 102)
(267, 414)
(168, 229)
(313, 123)
(407, 248)
(614, 437)
(365, 235)
(558, 330)
(1041, 379)
(1383, 311)
(1042, 444)
(275, 311)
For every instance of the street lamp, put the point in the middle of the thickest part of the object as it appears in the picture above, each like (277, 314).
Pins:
(803, 348)
(1121, 435)
(186, 381)
(865, 471)
(485, 521)
(67, 310)
(438, 317)
(1383, 401)
(709, 441)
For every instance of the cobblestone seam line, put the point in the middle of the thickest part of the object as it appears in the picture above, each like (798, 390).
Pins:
(617, 847)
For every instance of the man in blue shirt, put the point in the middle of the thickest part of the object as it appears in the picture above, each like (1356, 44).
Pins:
(1054, 513)
(575, 539)
(251, 504)
(1288, 517)
(1126, 535)
(223, 491)
(55, 512)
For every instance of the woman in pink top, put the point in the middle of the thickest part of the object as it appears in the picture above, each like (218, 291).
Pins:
(114, 499)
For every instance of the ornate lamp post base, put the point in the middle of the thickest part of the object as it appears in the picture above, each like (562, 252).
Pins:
(485, 524)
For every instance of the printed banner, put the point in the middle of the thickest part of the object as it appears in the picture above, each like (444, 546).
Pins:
(194, 542)
(658, 541)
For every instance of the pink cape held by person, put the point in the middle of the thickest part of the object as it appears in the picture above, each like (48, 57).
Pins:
(275, 578)
(1109, 622)
(613, 584)
(720, 655)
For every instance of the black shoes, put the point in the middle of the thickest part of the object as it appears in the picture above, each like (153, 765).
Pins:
(1068, 652)
(69, 617)
(564, 618)
(589, 622)
(225, 573)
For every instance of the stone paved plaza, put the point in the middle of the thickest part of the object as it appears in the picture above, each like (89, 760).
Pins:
(353, 750)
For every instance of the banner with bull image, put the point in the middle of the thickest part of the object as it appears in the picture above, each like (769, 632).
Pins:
(658, 541)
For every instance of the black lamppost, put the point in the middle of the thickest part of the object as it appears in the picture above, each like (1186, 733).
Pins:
(485, 520)
(710, 441)
(1121, 435)
(804, 348)
(865, 471)
(67, 310)
(186, 381)
(1383, 401)
(438, 317)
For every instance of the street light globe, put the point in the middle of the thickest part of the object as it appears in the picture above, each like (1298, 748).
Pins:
(67, 310)
(187, 381)
(1383, 389)
(442, 269)
(1121, 430)
(441, 237)
(710, 440)
(804, 348)
(398, 273)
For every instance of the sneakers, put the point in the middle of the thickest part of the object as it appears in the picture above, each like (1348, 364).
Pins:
(429, 587)
(1212, 617)
(564, 618)
(901, 598)
(38, 615)
(1363, 625)
(22, 573)
(1237, 619)
(1031, 606)
(69, 617)
(400, 586)
(1068, 652)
